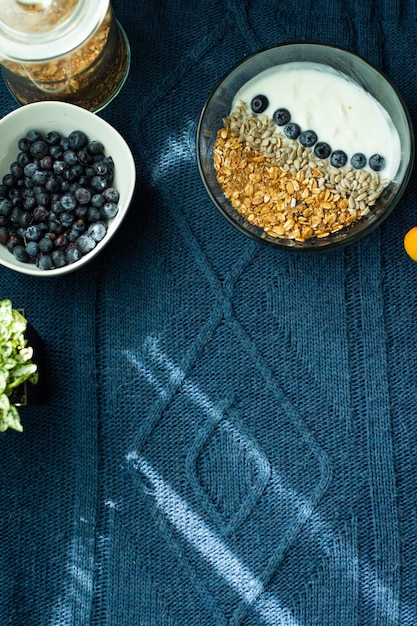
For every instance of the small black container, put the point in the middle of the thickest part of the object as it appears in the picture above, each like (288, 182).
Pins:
(28, 394)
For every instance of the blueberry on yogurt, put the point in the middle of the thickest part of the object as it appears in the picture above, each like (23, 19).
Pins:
(292, 130)
(322, 150)
(376, 162)
(259, 104)
(307, 138)
(281, 117)
(338, 158)
(358, 160)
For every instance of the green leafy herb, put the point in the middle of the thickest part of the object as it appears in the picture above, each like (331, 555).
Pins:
(16, 365)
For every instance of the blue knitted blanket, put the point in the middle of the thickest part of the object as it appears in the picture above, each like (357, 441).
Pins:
(230, 431)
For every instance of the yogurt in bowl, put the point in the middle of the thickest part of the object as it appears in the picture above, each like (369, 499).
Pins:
(341, 113)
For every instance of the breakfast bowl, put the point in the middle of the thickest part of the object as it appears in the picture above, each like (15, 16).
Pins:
(67, 178)
(305, 147)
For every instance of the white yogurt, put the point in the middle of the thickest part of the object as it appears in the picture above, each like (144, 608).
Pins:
(336, 108)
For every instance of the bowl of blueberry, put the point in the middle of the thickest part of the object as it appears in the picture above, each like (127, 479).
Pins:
(305, 146)
(67, 178)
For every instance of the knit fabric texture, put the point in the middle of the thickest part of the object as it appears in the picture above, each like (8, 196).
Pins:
(229, 434)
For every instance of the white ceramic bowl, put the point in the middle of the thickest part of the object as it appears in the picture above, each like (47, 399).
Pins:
(64, 118)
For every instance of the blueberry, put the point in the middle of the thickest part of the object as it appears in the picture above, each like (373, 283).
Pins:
(56, 152)
(97, 200)
(72, 236)
(358, 160)
(259, 104)
(6, 207)
(55, 227)
(93, 214)
(39, 149)
(64, 143)
(77, 139)
(32, 248)
(83, 195)
(77, 229)
(52, 185)
(98, 157)
(281, 117)
(68, 202)
(33, 135)
(292, 130)
(69, 157)
(84, 157)
(40, 213)
(100, 168)
(95, 147)
(12, 242)
(24, 218)
(109, 210)
(46, 243)
(78, 226)
(16, 170)
(52, 137)
(39, 177)
(15, 197)
(61, 241)
(307, 138)
(33, 233)
(322, 150)
(23, 158)
(43, 197)
(338, 158)
(9, 180)
(81, 211)
(72, 254)
(58, 257)
(73, 187)
(21, 232)
(98, 183)
(85, 243)
(29, 199)
(23, 144)
(111, 194)
(72, 173)
(109, 160)
(56, 209)
(4, 235)
(376, 162)
(37, 189)
(66, 219)
(28, 183)
(46, 162)
(97, 230)
(44, 262)
(20, 253)
(14, 216)
(59, 167)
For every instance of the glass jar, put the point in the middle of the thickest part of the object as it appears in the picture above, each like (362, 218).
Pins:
(71, 50)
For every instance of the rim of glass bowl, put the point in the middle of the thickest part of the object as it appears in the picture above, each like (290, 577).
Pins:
(389, 198)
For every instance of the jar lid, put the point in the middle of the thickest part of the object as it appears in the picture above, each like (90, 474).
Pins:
(38, 30)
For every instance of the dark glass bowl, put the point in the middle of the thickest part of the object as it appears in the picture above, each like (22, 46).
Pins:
(218, 106)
